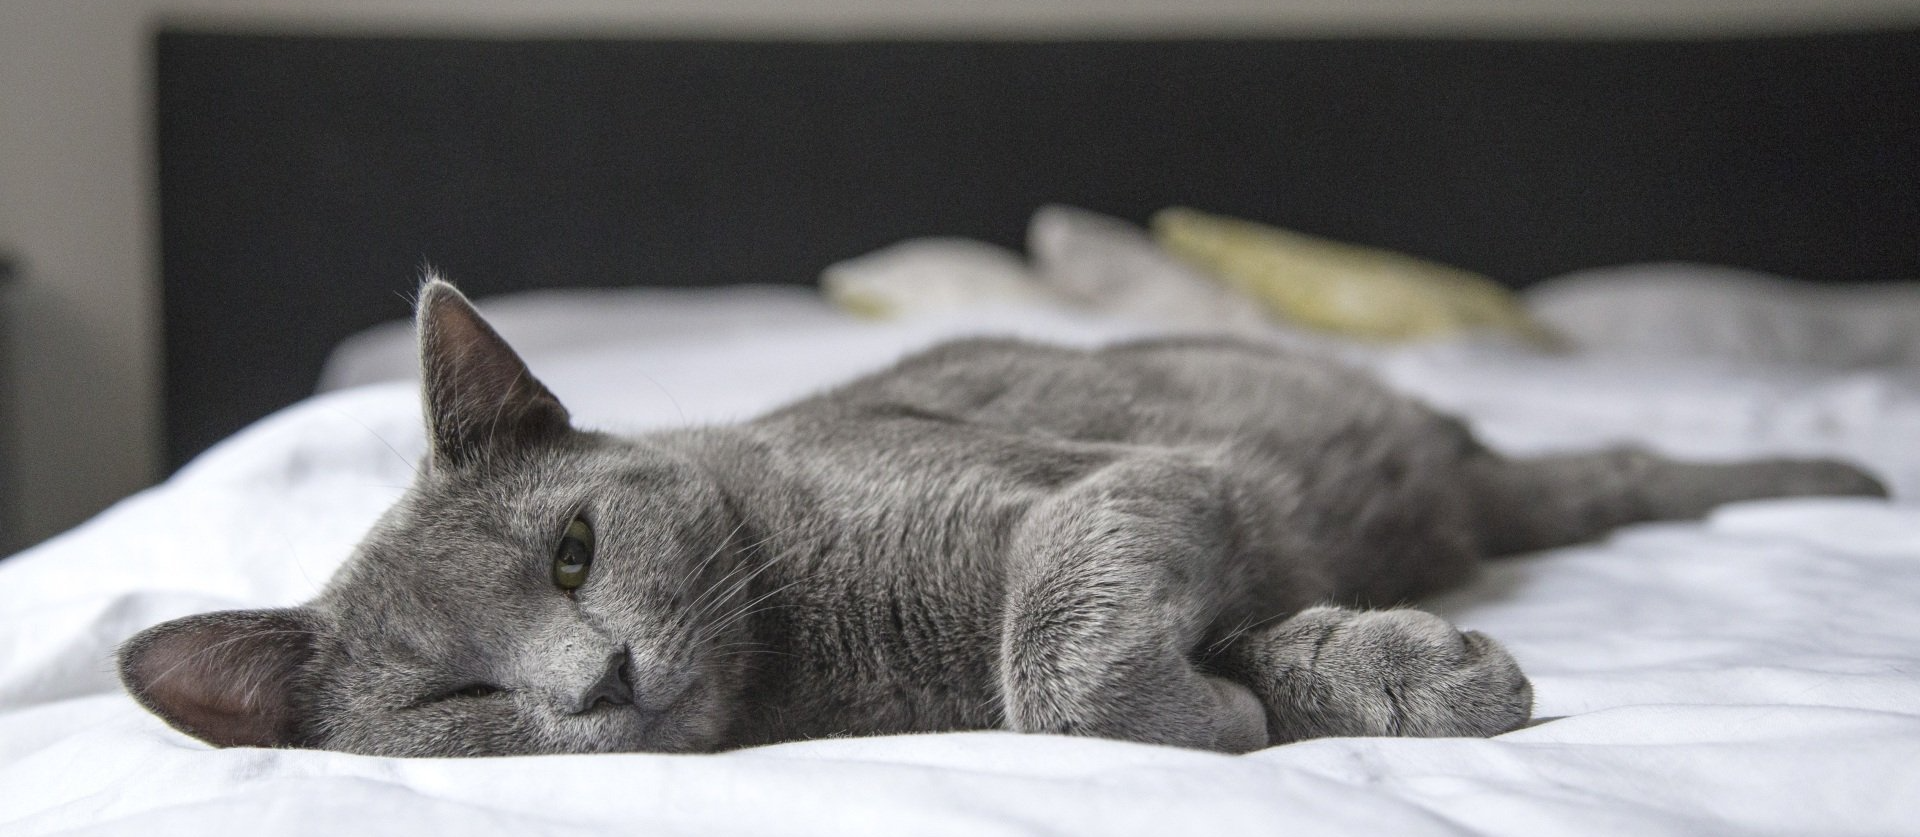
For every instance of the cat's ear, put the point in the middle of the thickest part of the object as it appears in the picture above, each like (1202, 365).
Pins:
(227, 678)
(480, 398)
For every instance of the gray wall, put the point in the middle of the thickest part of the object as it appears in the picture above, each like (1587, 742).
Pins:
(77, 210)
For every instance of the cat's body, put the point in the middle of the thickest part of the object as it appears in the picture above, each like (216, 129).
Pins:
(1126, 542)
(893, 505)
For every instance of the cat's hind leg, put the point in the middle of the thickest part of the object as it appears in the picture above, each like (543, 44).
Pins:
(1330, 671)
(1112, 585)
(1538, 503)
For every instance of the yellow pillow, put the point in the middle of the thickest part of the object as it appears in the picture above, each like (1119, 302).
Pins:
(1343, 288)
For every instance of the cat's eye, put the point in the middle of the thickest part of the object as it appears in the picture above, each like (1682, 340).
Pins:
(574, 556)
(471, 690)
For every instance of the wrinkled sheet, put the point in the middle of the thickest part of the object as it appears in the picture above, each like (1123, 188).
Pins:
(1756, 672)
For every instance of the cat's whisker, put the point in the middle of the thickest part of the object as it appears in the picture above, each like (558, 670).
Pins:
(740, 583)
(703, 604)
(1231, 634)
(714, 629)
(663, 391)
(411, 464)
(1246, 626)
(739, 586)
(705, 562)
(768, 538)
(760, 652)
(744, 648)
(697, 605)
(293, 552)
(737, 616)
(743, 611)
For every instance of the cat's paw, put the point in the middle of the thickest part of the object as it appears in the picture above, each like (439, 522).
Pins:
(1390, 672)
(1829, 477)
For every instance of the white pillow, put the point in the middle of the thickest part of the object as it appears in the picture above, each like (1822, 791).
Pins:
(929, 275)
(1111, 266)
(1679, 309)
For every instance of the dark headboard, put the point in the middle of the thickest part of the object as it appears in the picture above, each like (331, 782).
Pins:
(305, 180)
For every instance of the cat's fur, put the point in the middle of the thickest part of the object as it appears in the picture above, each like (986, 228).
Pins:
(1152, 541)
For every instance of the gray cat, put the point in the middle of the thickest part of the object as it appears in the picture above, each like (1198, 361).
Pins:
(1155, 541)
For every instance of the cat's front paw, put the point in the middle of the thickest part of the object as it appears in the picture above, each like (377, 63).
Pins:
(1391, 672)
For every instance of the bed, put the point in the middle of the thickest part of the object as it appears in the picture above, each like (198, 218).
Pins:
(1754, 672)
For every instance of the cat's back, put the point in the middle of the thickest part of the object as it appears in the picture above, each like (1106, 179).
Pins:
(1161, 392)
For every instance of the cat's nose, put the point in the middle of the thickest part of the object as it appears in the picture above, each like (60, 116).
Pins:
(612, 688)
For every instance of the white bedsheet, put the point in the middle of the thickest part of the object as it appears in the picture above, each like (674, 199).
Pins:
(1756, 672)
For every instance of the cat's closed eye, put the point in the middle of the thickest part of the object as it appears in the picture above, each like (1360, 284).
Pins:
(468, 691)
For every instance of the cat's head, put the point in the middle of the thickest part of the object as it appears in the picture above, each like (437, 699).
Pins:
(538, 589)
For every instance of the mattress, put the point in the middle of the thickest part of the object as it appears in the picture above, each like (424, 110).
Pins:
(1757, 671)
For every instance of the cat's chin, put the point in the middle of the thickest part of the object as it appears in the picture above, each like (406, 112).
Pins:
(646, 735)
(627, 728)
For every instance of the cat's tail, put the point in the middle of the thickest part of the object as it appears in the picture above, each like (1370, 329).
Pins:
(1537, 503)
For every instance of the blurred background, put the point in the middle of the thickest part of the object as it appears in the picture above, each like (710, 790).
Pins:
(81, 325)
